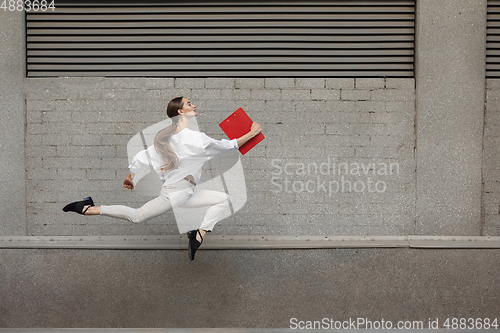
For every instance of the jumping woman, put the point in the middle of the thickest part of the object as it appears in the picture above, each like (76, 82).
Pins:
(177, 156)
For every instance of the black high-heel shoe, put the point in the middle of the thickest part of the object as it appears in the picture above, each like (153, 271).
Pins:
(77, 206)
(194, 244)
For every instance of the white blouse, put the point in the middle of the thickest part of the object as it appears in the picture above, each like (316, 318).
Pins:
(193, 149)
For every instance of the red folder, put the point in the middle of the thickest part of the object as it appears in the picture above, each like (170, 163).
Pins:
(238, 124)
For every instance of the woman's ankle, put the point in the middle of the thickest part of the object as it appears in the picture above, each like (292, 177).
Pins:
(94, 210)
(203, 233)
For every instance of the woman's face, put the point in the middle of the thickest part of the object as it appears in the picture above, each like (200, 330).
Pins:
(188, 109)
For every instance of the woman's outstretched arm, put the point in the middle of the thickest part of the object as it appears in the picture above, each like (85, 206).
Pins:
(254, 130)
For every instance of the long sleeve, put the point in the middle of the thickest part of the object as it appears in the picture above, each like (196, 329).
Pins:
(216, 147)
(140, 165)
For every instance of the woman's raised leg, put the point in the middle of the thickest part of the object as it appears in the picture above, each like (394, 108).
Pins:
(173, 195)
(218, 203)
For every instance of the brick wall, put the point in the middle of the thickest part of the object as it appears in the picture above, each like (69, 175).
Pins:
(491, 160)
(78, 129)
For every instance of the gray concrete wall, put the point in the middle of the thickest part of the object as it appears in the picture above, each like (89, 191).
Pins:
(450, 76)
(78, 130)
(491, 160)
(86, 288)
(12, 133)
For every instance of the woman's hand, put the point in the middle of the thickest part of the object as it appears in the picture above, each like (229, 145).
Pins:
(128, 182)
(255, 129)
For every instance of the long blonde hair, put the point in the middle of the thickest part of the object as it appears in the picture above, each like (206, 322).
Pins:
(162, 146)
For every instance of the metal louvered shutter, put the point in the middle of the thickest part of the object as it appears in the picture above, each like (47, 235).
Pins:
(493, 40)
(337, 38)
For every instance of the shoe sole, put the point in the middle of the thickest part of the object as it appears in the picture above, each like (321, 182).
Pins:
(191, 258)
(190, 250)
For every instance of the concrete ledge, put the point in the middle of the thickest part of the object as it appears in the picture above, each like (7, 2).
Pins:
(302, 242)
(455, 242)
(238, 242)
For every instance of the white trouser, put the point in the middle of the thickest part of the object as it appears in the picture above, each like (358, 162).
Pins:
(181, 194)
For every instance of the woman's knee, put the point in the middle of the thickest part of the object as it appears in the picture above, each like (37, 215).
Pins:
(136, 216)
(151, 209)
(225, 198)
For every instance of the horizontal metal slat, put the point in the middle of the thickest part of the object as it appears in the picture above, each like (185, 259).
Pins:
(133, 25)
(493, 39)
(492, 45)
(494, 32)
(492, 24)
(219, 39)
(277, 73)
(218, 67)
(206, 53)
(495, 67)
(222, 31)
(493, 52)
(493, 17)
(218, 17)
(218, 59)
(298, 45)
